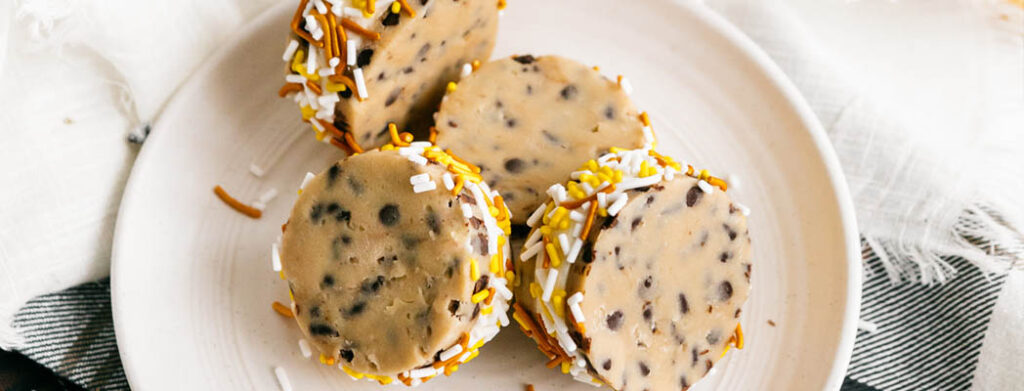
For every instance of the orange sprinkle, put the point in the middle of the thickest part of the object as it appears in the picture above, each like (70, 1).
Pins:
(643, 116)
(328, 45)
(356, 28)
(529, 387)
(351, 141)
(332, 30)
(433, 135)
(501, 5)
(718, 182)
(284, 226)
(340, 78)
(578, 203)
(738, 336)
(235, 204)
(554, 362)
(342, 45)
(490, 296)
(340, 143)
(459, 182)
(330, 128)
(597, 68)
(590, 221)
(407, 137)
(547, 262)
(475, 64)
(289, 88)
(299, 31)
(408, 10)
(502, 211)
(459, 159)
(312, 86)
(282, 309)
(619, 80)
(395, 138)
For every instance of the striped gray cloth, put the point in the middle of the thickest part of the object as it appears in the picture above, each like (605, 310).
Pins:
(928, 337)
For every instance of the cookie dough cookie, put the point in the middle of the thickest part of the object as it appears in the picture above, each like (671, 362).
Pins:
(394, 272)
(528, 121)
(634, 273)
(356, 65)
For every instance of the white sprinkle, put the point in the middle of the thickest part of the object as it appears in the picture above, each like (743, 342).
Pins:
(419, 178)
(417, 159)
(502, 289)
(533, 238)
(337, 9)
(633, 183)
(423, 372)
(420, 144)
(627, 87)
(467, 211)
(320, 7)
(577, 229)
(268, 195)
(587, 189)
(575, 250)
(311, 25)
(743, 208)
(305, 181)
(648, 134)
(316, 125)
(557, 192)
(549, 284)
(329, 99)
(325, 71)
(415, 382)
(259, 205)
(448, 182)
(282, 379)
(466, 70)
(704, 186)
(602, 200)
(275, 258)
(409, 151)
(293, 78)
(334, 61)
(733, 181)
(503, 318)
(354, 12)
(574, 306)
(537, 214)
(256, 170)
(423, 187)
(567, 343)
(360, 83)
(576, 174)
(531, 251)
(350, 59)
(670, 174)
(289, 51)
(577, 216)
(317, 34)
(304, 348)
(563, 241)
(870, 327)
(451, 352)
(618, 204)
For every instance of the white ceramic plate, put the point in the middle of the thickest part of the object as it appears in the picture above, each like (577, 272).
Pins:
(192, 283)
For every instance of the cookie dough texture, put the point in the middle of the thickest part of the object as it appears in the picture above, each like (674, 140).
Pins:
(528, 122)
(380, 274)
(663, 287)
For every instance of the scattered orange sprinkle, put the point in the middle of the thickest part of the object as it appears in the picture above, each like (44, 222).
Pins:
(332, 30)
(235, 204)
(284, 226)
(328, 45)
(459, 182)
(718, 182)
(475, 64)
(356, 28)
(342, 45)
(289, 88)
(771, 323)
(529, 387)
(460, 160)
(313, 87)
(341, 144)
(589, 222)
(351, 141)
(501, 5)
(282, 309)
(340, 78)
(643, 116)
(578, 203)
(330, 128)
(395, 138)
(433, 135)
(298, 30)
(407, 9)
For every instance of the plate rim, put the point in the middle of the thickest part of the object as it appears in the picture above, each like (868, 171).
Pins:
(715, 22)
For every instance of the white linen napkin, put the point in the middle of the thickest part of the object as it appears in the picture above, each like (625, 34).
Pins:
(77, 76)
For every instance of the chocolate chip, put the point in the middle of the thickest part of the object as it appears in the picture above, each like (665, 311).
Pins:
(529, 89)
(644, 370)
(328, 281)
(433, 223)
(648, 281)
(387, 260)
(588, 252)
(363, 58)
(684, 307)
(693, 357)
(411, 242)
(693, 195)
(316, 214)
(332, 174)
(346, 93)
(724, 291)
(347, 355)
(636, 222)
(525, 59)
(607, 365)
(614, 320)
(514, 165)
(617, 250)
(725, 256)
(452, 124)
(314, 311)
(609, 223)
(322, 329)
(569, 92)
(732, 233)
(393, 96)
(423, 50)
(345, 239)
(476, 311)
(355, 185)
(714, 336)
(453, 306)
(648, 313)
(650, 199)
(475, 222)
(390, 19)
(356, 309)
(389, 215)
(511, 122)
(551, 137)
(340, 214)
(683, 383)
(407, 70)
(481, 284)
(372, 285)
(609, 112)
(498, 104)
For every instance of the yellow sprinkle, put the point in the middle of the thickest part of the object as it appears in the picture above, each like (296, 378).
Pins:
(591, 165)
(387, 147)
(594, 182)
(472, 356)
(565, 367)
(615, 149)
(493, 211)
(645, 170)
(479, 296)
(522, 324)
(384, 380)
(703, 174)
(452, 86)
(510, 276)
(396, 8)
(556, 301)
(281, 273)
(307, 112)
(319, 135)
(535, 290)
(298, 59)
(496, 263)
(581, 327)
(618, 176)
(352, 373)
(577, 194)
(335, 87)
(564, 224)
(545, 230)
(448, 370)
(556, 261)
(487, 310)
(474, 270)
(597, 68)
(291, 295)
(602, 212)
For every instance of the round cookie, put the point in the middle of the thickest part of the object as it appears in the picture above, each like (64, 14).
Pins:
(394, 274)
(643, 293)
(528, 121)
(379, 62)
